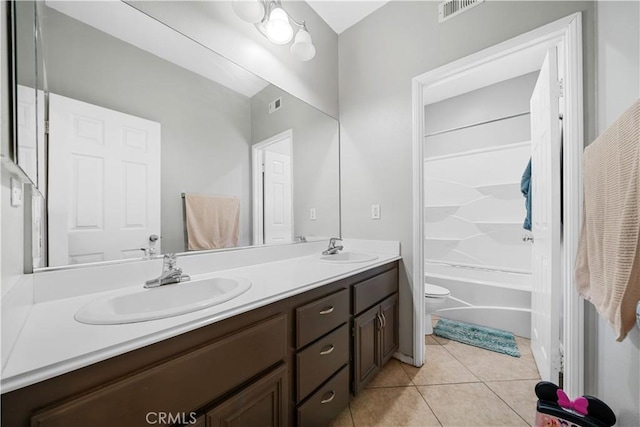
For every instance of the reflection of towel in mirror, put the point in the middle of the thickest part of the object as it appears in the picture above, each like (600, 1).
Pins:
(212, 222)
(525, 187)
(608, 263)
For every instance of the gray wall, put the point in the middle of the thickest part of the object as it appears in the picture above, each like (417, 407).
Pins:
(215, 24)
(316, 178)
(12, 237)
(502, 99)
(613, 368)
(206, 127)
(378, 58)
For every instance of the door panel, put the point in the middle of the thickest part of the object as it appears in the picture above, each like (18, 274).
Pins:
(545, 217)
(277, 198)
(389, 339)
(263, 403)
(104, 191)
(366, 347)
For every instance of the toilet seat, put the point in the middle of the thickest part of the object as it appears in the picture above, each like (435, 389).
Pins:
(435, 291)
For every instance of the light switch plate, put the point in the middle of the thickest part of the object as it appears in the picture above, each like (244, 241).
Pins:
(375, 211)
(16, 193)
(312, 214)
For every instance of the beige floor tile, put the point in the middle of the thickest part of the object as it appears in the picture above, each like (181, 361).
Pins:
(391, 407)
(440, 367)
(519, 395)
(430, 340)
(343, 419)
(391, 375)
(471, 404)
(441, 340)
(491, 366)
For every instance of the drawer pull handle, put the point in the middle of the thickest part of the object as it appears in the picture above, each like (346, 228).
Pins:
(328, 350)
(328, 310)
(384, 320)
(328, 399)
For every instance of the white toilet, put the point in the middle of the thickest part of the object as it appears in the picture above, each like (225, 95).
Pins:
(434, 298)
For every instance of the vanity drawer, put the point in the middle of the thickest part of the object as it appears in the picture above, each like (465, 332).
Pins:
(321, 360)
(325, 404)
(374, 290)
(319, 317)
(179, 385)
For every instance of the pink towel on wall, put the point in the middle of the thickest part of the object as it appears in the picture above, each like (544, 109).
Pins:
(212, 222)
(608, 263)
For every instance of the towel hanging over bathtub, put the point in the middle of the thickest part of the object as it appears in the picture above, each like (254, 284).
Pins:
(525, 188)
(212, 222)
(608, 262)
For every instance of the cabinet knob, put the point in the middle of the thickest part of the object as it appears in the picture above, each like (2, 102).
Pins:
(328, 349)
(328, 399)
(527, 238)
(328, 310)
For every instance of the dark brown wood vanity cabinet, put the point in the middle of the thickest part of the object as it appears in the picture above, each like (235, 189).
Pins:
(375, 326)
(294, 362)
(322, 359)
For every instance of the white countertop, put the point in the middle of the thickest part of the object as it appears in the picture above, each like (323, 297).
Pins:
(52, 342)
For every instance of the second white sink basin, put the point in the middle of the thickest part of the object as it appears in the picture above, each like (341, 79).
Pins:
(348, 257)
(164, 301)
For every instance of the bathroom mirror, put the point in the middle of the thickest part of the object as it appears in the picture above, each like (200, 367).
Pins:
(28, 94)
(143, 119)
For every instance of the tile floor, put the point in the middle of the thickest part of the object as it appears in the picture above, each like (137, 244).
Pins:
(459, 385)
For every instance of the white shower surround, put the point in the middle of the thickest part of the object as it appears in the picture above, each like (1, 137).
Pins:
(474, 249)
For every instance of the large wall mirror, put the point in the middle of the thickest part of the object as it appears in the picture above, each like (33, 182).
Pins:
(157, 144)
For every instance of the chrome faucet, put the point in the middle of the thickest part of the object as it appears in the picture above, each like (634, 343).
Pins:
(170, 273)
(333, 248)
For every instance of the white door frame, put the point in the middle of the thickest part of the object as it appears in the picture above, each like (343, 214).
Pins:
(567, 34)
(258, 177)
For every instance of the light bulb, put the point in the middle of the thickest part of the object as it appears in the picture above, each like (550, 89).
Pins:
(251, 11)
(302, 48)
(278, 27)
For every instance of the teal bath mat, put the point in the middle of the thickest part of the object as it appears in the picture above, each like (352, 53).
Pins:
(479, 336)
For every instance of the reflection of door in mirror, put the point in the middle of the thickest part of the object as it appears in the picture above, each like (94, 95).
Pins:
(274, 183)
(104, 191)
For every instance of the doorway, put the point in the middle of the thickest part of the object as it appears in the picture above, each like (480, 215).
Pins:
(507, 60)
(273, 189)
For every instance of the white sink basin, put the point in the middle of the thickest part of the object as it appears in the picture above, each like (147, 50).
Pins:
(164, 301)
(347, 257)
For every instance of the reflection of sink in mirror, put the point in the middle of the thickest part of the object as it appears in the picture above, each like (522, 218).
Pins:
(348, 257)
(172, 117)
(165, 301)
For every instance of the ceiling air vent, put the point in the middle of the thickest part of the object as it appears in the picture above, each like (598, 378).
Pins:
(275, 105)
(450, 8)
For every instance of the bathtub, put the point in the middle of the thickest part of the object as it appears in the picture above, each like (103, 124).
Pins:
(496, 299)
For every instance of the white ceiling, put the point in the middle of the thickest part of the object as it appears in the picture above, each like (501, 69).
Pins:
(342, 14)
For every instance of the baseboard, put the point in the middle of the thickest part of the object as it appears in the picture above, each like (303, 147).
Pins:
(403, 358)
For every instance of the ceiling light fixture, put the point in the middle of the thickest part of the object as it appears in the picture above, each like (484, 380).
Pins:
(276, 24)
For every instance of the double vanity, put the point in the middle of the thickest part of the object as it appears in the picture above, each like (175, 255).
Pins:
(294, 336)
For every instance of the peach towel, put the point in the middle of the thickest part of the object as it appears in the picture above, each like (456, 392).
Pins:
(608, 262)
(212, 222)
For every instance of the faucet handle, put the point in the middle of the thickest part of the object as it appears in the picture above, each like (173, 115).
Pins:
(169, 261)
(333, 240)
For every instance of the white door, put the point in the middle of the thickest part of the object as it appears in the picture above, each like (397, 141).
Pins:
(545, 203)
(104, 186)
(277, 198)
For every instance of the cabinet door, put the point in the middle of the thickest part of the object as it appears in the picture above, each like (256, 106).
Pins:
(389, 332)
(264, 403)
(366, 347)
